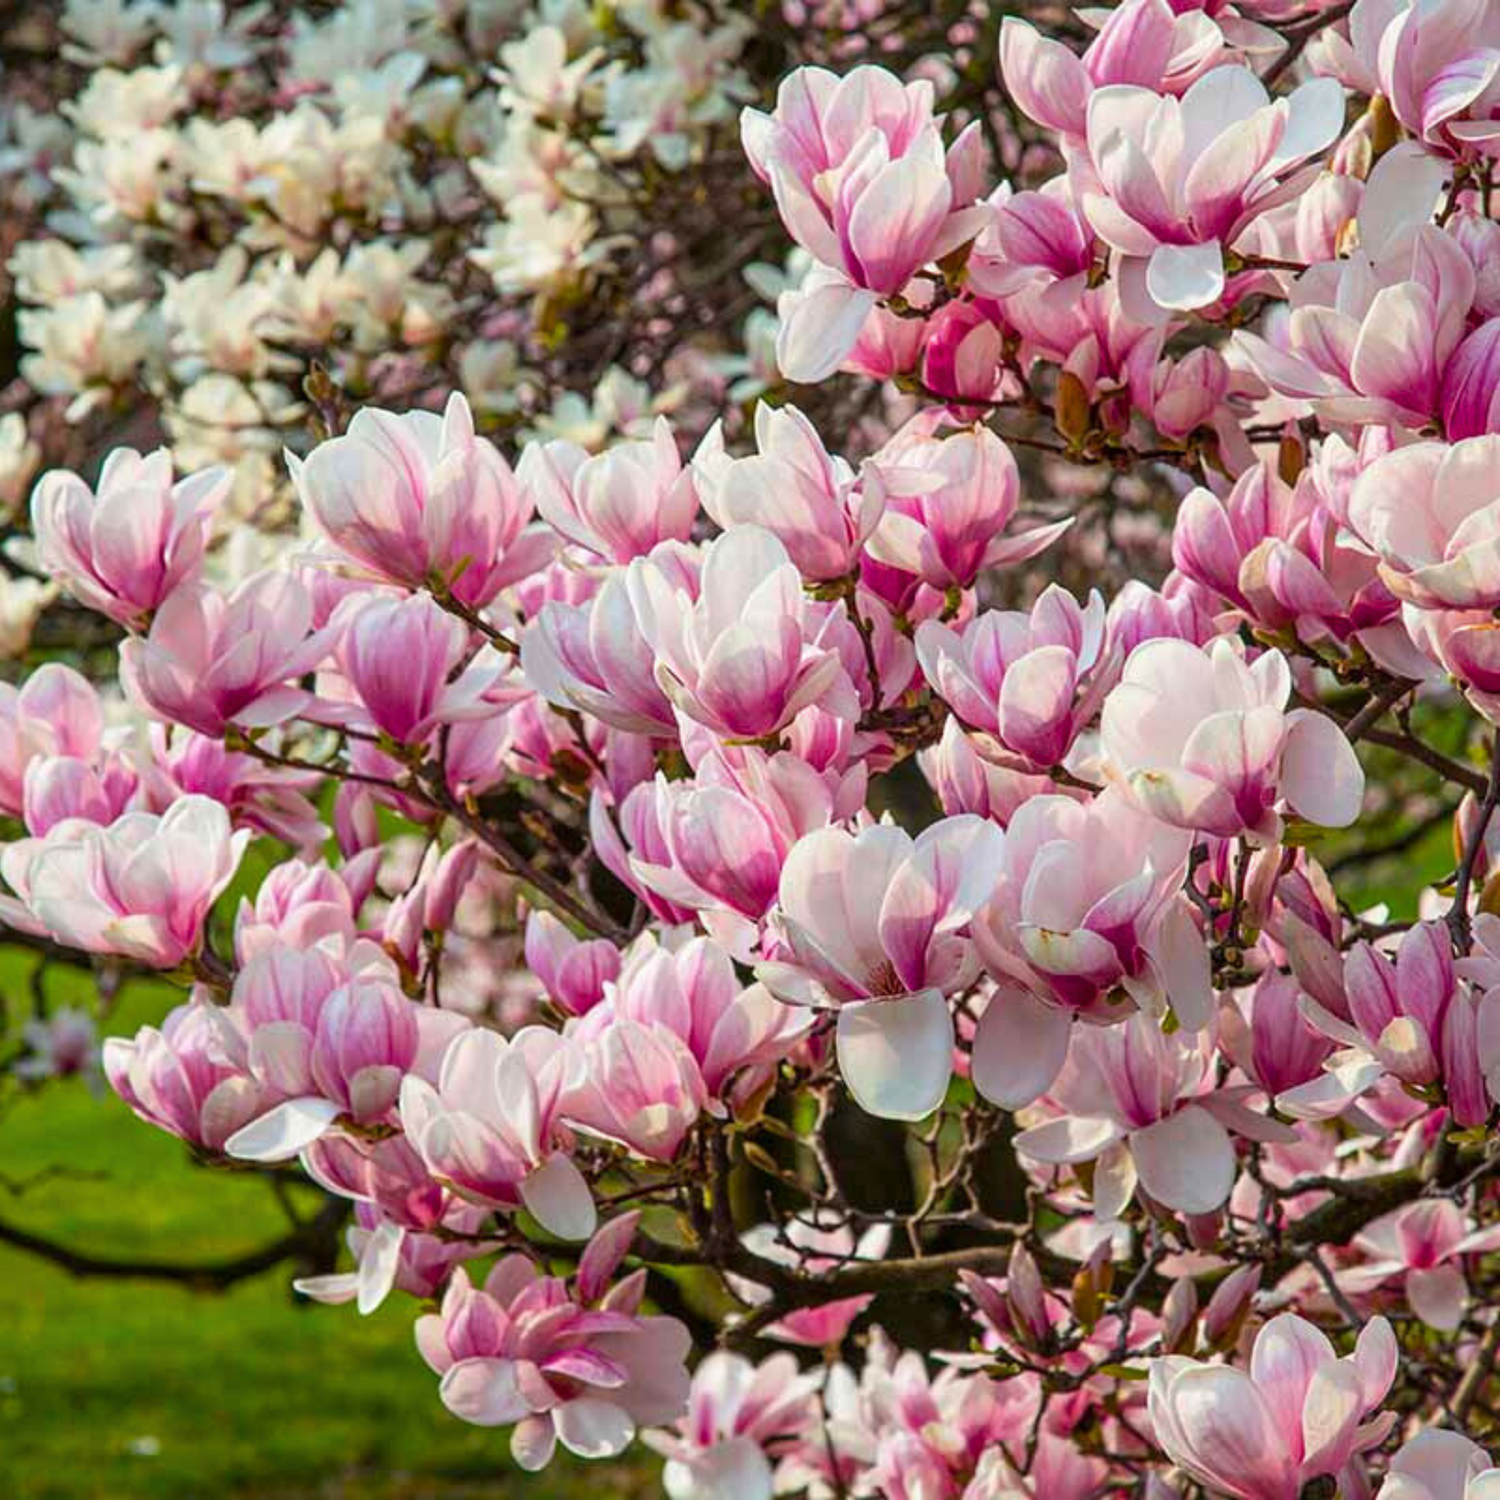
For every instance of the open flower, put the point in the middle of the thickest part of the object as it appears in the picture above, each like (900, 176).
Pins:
(1032, 680)
(1202, 739)
(873, 926)
(214, 660)
(578, 1365)
(1298, 1414)
(127, 548)
(140, 887)
(1431, 511)
(1086, 915)
(737, 658)
(419, 498)
(1422, 1245)
(863, 184)
(1173, 182)
(1142, 1106)
(491, 1126)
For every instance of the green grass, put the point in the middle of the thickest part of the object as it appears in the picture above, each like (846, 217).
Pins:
(135, 1390)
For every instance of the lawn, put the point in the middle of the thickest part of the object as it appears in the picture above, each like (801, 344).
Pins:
(133, 1390)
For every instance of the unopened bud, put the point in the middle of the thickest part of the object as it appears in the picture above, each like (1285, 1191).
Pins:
(1204, 1229)
(1229, 1306)
(1180, 1318)
(1027, 1297)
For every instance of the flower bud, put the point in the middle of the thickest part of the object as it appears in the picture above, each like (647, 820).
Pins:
(1224, 1317)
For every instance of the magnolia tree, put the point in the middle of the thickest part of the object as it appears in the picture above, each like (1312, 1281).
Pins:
(781, 691)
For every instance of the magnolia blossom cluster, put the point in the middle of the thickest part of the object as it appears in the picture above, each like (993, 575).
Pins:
(401, 195)
(594, 860)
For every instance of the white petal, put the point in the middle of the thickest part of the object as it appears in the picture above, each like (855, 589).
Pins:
(896, 1056)
(592, 1428)
(1186, 1161)
(378, 1263)
(1183, 277)
(559, 1199)
(284, 1131)
(1020, 1045)
(1438, 1296)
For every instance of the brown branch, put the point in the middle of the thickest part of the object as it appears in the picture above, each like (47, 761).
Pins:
(314, 1243)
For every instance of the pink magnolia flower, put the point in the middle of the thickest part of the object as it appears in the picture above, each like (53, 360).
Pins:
(1268, 1038)
(963, 358)
(140, 887)
(812, 1242)
(55, 712)
(1440, 1465)
(1298, 1413)
(736, 1034)
(1281, 555)
(928, 1435)
(862, 183)
(491, 1126)
(1031, 237)
(127, 548)
(1370, 336)
(1422, 1244)
(640, 1086)
(578, 1365)
(326, 1043)
(888, 344)
(618, 504)
(1172, 184)
(300, 905)
(627, 829)
(1431, 511)
(949, 500)
(1179, 610)
(726, 834)
(573, 971)
(1415, 1019)
(595, 656)
(388, 1256)
(1087, 330)
(1086, 911)
(214, 660)
(737, 1412)
(1202, 740)
(965, 782)
(408, 663)
(265, 798)
(420, 499)
(1031, 680)
(820, 510)
(62, 787)
(396, 1204)
(1180, 395)
(1141, 1104)
(872, 926)
(1151, 43)
(178, 1079)
(60, 1045)
(1436, 64)
(737, 658)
